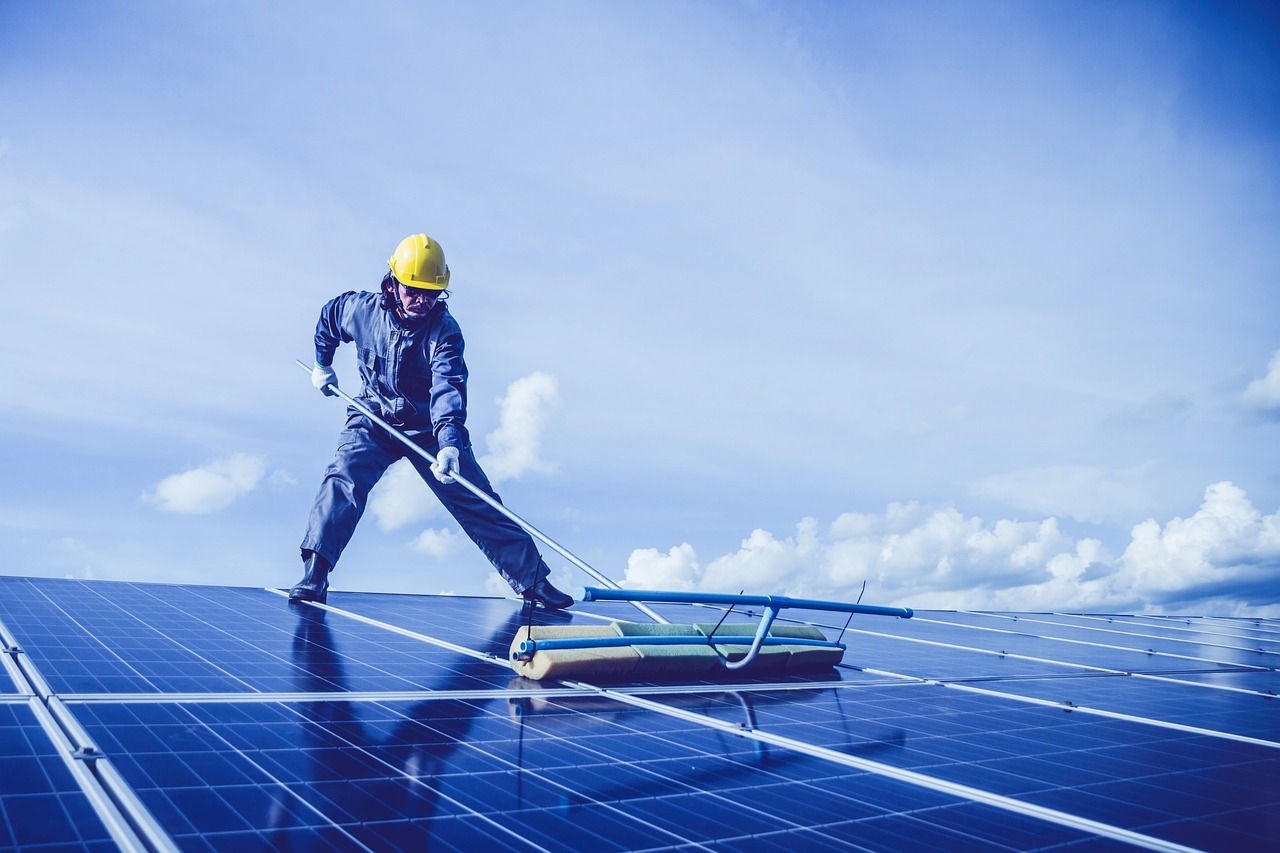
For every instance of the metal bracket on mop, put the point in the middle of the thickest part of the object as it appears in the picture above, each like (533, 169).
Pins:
(772, 605)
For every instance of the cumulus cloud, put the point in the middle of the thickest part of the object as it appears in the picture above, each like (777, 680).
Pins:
(1227, 553)
(210, 488)
(1226, 545)
(281, 479)
(514, 445)
(1264, 394)
(649, 568)
(401, 497)
(438, 543)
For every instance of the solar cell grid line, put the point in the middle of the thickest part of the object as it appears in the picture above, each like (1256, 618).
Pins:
(204, 610)
(396, 629)
(1010, 693)
(608, 758)
(123, 797)
(260, 659)
(9, 651)
(397, 771)
(302, 697)
(1006, 654)
(127, 821)
(42, 803)
(129, 831)
(475, 696)
(301, 802)
(1118, 715)
(965, 792)
(271, 626)
(989, 652)
(1166, 638)
(1073, 768)
(1147, 652)
(1173, 636)
(1267, 628)
(1137, 673)
(1115, 715)
(114, 613)
(1189, 763)
(1254, 631)
(640, 774)
(481, 657)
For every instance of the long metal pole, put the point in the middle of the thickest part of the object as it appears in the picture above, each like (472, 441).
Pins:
(480, 493)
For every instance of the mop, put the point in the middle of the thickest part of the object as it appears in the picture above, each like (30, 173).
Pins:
(623, 650)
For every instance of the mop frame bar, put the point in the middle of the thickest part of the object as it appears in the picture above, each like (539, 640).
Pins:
(777, 602)
(772, 605)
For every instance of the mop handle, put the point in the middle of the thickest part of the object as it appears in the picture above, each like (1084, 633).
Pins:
(480, 493)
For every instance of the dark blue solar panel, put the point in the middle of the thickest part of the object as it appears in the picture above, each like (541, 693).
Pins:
(7, 687)
(946, 645)
(518, 765)
(471, 774)
(41, 806)
(144, 638)
(1181, 640)
(1254, 715)
(1102, 769)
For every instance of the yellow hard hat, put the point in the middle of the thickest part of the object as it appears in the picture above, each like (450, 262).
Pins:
(419, 262)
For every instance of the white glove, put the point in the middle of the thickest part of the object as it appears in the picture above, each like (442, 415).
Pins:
(446, 464)
(321, 377)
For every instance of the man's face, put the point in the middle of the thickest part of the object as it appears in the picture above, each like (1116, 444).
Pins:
(416, 301)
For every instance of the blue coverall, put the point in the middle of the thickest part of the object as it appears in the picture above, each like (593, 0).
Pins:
(413, 375)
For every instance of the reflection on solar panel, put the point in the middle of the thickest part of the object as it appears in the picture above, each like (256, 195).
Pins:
(159, 717)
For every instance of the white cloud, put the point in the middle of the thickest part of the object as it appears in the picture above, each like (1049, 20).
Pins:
(513, 446)
(210, 488)
(281, 479)
(1227, 555)
(402, 497)
(1264, 393)
(438, 543)
(1227, 543)
(763, 560)
(648, 568)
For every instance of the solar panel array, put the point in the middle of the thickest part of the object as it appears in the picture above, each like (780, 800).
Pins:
(159, 717)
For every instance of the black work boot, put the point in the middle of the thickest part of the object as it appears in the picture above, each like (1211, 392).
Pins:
(547, 596)
(314, 585)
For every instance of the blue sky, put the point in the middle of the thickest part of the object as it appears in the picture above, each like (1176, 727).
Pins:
(974, 302)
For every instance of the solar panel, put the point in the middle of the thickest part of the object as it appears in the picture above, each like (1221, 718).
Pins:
(219, 718)
(43, 806)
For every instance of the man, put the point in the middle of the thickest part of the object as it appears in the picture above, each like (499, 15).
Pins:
(409, 350)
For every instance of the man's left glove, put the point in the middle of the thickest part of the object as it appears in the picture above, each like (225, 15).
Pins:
(322, 377)
(446, 464)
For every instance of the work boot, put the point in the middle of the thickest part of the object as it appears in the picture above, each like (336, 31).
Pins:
(547, 596)
(314, 585)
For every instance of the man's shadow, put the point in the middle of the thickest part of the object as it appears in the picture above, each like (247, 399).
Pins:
(355, 774)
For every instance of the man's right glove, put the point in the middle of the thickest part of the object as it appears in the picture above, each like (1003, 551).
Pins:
(446, 464)
(322, 377)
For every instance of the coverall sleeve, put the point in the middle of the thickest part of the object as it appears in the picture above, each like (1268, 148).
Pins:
(449, 389)
(330, 330)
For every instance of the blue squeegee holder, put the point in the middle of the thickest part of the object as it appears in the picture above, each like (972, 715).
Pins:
(772, 605)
